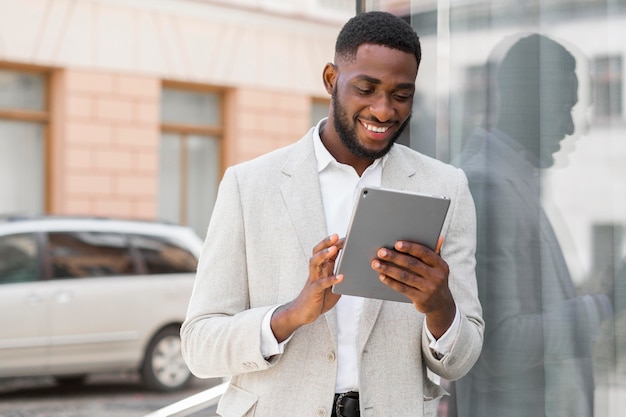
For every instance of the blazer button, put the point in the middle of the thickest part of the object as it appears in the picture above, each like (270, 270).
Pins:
(320, 412)
(330, 357)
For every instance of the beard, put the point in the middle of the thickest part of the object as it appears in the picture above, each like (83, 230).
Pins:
(346, 131)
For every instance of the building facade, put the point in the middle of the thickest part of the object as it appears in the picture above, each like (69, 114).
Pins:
(134, 108)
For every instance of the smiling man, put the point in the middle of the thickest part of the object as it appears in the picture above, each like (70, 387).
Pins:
(262, 310)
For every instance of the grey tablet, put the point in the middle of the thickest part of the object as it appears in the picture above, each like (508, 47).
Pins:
(380, 218)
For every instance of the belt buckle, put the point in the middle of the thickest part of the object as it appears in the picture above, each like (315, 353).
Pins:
(339, 405)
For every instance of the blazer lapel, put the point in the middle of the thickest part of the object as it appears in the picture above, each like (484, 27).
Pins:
(397, 171)
(302, 195)
(371, 309)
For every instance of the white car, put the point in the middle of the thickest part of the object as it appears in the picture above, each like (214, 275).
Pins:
(80, 296)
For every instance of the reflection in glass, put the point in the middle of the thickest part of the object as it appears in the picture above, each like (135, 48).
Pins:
(19, 261)
(558, 201)
(89, 254)
(162, 256)
(540, 332)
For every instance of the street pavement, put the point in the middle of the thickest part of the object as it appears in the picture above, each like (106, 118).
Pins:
(101, 396)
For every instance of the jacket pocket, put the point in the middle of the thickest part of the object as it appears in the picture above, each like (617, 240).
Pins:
(432, 394)
(237, 402)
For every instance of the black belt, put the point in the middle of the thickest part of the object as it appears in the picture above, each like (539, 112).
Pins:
(346, 405)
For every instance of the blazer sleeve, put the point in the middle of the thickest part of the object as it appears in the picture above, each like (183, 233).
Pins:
(459, 251)
(221, 335)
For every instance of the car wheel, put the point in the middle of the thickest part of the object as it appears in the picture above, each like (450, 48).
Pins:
(164, 368)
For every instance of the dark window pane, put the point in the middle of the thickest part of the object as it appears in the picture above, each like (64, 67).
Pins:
(18, 258)
(89, 254)
(163, 256)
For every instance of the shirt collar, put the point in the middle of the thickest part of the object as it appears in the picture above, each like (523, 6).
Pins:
(325, 158)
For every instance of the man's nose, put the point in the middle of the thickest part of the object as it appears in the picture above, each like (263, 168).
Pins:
(382, 108)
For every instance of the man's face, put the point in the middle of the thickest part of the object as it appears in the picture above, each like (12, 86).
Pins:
(537, 112)
(556, 121)
(347, 133)
(372, 99)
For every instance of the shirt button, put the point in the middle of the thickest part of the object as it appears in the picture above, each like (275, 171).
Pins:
(330, 357)
(320, 412)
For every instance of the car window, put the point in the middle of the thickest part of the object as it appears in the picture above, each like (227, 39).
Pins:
(164, 256)
(18, 258)
(89, 254)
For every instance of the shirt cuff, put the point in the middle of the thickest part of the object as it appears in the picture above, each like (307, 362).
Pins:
(269, 344)
(443, 345)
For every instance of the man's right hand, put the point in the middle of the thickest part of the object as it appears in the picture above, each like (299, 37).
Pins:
(316, 298)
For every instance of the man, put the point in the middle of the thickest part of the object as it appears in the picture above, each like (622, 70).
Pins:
(539, 332)
(262, 310)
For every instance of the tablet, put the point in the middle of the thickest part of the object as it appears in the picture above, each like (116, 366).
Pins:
(380, 218)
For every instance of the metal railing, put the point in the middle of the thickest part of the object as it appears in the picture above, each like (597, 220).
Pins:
(192, 404)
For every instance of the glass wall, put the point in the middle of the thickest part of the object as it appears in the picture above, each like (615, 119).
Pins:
(528, 98)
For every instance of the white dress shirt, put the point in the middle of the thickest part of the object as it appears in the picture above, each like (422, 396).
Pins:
(339, 185)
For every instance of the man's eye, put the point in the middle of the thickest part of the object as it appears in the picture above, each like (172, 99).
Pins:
(363, 90)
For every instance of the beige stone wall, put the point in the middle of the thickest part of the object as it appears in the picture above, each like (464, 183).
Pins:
(261, 120)
(222, 43)
(104, 138)
(104, 144)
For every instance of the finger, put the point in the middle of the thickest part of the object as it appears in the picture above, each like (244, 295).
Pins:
(410, 291)
(439, 245)
(401, 275)
(326, 243)
(403, 260)
(322, 262)
(419, 251)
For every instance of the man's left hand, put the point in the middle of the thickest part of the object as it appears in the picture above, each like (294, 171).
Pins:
(421, 274)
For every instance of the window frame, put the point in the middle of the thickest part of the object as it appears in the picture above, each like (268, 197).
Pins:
(42, 117)
(185, 130)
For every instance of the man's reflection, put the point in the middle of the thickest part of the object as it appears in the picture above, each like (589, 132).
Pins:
(537, 354)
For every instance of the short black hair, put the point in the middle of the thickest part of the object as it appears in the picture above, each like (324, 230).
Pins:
(377, 28)
(534, 69)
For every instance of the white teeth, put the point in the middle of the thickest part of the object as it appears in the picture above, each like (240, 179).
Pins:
(375, 129)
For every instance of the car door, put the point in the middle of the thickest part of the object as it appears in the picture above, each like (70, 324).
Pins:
(92, 326)
(24, 307)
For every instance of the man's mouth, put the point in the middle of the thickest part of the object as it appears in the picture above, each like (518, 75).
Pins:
(375, 129)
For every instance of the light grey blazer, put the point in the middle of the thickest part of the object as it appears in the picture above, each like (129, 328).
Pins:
(267, 218)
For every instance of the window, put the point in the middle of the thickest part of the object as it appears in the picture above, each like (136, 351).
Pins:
(18, 258)
(190, 149)
(608, 87)
(89, 254)
(319, 110)
(23, 118)
(164, 256)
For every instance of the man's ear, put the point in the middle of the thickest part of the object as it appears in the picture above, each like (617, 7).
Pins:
(330, 77)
